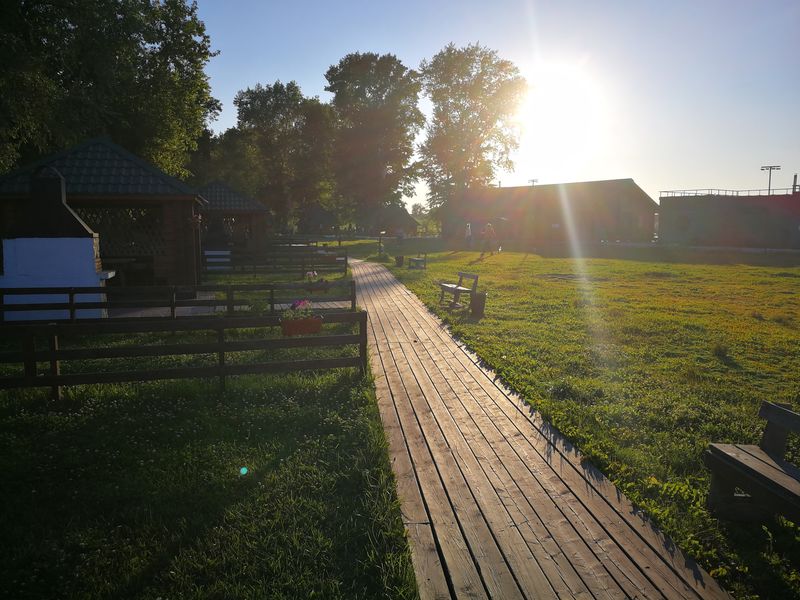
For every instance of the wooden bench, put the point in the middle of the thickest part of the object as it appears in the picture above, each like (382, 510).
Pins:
(755, 482)
(418, 262)
(458, 288)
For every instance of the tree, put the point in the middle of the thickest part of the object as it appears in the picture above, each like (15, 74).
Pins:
(293, 136)
(474, 94)
(375, 98)
(272, 116)
(142, 81)
(313, 186)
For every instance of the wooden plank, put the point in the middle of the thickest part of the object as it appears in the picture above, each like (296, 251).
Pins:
(630, 530)
(523, 564)
(433, 577)
(443, 428)
(759, 468)
(628, 548)
(455, 562)
(111, 326)
(454, 493)
(775, 463)
(508, 472)
(648, 544)
(202, 348)
(780, 421)
(573, 584)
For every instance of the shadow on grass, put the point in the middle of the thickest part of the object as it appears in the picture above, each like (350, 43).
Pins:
(138, 488)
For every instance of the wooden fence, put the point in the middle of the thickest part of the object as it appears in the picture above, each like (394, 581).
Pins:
(299, 260)
(29, 357)
(71, 300)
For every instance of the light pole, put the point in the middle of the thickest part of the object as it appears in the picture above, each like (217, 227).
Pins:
(380, 243)
(770, 168)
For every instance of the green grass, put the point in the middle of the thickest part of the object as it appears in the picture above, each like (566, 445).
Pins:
(642, 365)
(135, 491)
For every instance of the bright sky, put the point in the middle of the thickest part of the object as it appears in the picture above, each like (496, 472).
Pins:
(676, 95)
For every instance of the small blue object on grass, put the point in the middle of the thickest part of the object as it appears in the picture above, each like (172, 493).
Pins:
(243, 471)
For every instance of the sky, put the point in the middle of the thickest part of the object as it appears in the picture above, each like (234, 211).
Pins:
(676, 95)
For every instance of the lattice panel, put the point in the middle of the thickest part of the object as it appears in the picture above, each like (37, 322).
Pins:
(126, 231)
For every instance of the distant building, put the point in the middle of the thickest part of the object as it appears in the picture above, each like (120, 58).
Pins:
(588, 212)
(743, 219)
(147, 221)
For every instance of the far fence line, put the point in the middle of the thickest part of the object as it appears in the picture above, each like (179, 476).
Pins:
(72, 301)
(289, 259)
(720, 192)
(28, 356)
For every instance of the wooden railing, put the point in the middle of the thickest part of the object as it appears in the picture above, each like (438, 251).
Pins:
(29, 356)
(299, 260)
(70, 300)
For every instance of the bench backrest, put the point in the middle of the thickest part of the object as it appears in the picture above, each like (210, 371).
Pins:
(781, 421)
(462, 276)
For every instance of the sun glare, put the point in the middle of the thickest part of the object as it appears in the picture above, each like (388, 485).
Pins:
(563, 121)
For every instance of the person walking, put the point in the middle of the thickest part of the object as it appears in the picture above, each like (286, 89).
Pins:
(491, 238)
(468, 237)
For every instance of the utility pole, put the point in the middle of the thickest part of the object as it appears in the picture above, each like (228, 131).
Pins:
(533, 182)
(770, 168)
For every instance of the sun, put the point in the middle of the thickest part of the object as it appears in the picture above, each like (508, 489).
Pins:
(563, 122)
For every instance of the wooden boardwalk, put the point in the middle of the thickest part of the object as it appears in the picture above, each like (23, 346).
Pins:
(496, 504)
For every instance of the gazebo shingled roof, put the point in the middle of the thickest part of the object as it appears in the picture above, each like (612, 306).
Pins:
(99, 167)
(222, 198)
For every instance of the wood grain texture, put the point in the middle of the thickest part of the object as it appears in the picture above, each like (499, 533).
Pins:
(496, 502)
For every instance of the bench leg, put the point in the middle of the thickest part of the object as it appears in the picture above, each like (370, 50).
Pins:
(441, 298)
(725, 503)
(721, 493)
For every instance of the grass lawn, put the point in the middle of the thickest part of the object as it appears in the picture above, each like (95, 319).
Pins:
(139, 491)
(643, 364)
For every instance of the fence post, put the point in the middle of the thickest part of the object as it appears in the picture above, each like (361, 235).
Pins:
(272, 301)
(345, 261)
(353, 295)
(362, 345)
(221, 355)
(229, 295)
(172, 302)
(55, 364)
(72, 311)
(29, 356)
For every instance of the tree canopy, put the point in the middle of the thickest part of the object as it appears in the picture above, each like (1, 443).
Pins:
(279, 152)
(375, 98)
(141, 80)
(474, 94)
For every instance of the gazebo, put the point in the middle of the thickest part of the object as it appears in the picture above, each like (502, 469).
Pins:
(148, 221)
(394, 220)
(231, 219)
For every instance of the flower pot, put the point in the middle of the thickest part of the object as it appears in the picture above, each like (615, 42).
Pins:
(304, 326)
